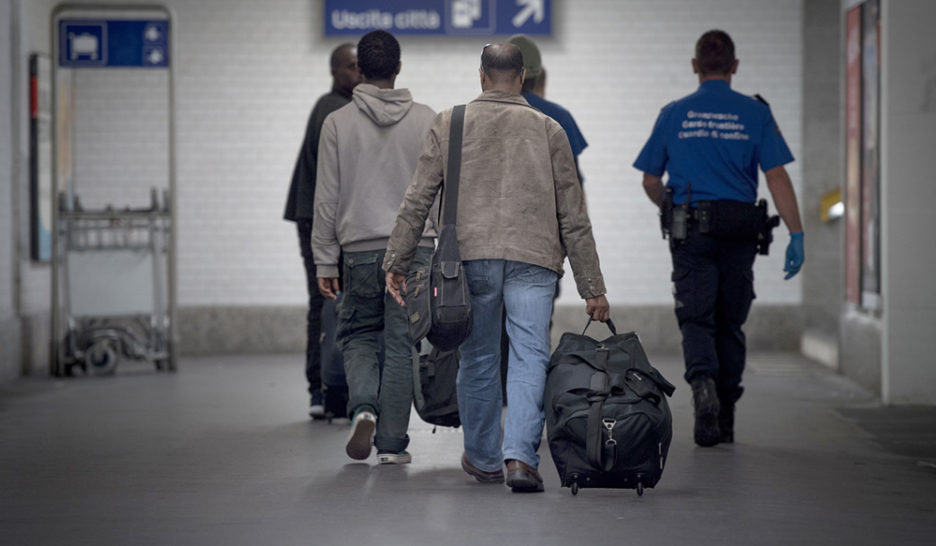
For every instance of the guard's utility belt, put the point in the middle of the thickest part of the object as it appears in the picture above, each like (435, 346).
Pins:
(725, 220)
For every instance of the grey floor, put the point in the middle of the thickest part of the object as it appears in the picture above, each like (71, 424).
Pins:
(222, 453)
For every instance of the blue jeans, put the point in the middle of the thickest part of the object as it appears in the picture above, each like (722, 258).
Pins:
(527, 293)
(365, 311)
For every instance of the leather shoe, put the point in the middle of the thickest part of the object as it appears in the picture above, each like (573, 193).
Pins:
(523, 478)
(484, 477)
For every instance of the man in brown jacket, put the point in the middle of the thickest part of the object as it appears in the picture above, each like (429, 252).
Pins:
(520, 211)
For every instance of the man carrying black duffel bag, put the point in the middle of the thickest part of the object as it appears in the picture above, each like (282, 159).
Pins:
(520, 210)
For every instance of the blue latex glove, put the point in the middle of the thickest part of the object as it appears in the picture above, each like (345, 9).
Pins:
(794, 255)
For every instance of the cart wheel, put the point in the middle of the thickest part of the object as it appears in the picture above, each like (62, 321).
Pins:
(102, 358)
(574, 488)
(640, 489)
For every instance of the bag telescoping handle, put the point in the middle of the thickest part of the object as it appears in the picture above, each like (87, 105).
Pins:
(609, 323)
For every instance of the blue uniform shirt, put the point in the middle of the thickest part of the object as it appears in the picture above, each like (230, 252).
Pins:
(562, 117)
(714, 139)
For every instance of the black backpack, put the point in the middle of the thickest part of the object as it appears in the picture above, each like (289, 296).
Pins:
(607, 418)
(434, 393)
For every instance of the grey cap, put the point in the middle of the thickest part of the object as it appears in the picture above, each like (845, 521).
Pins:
(532, 62)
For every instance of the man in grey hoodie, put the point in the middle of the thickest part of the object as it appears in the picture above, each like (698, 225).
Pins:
(367, 154)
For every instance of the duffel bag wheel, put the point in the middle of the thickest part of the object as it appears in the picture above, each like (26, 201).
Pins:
(102, 357)
(640, 489)
(574, 488)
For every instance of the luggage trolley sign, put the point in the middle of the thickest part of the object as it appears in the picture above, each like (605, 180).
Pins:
(115, 43)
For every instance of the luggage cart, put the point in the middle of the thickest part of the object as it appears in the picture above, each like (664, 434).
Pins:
(114, 271)
(113, 267)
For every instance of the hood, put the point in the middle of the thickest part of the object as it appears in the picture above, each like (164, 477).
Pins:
(383, 106)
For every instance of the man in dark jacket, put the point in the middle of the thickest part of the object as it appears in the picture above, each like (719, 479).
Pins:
(300, 206)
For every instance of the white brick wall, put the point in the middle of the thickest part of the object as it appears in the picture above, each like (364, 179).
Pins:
(248, 73)
(121, 145)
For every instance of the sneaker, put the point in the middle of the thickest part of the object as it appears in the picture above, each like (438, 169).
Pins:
(523, 478)
(389, 457)
(484, 477)
(317, 405)
(705, 400)
(362, 435)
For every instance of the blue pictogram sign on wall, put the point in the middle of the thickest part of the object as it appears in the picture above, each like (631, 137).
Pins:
(85, 43)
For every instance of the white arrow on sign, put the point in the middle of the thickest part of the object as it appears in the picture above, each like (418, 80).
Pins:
(531, 8)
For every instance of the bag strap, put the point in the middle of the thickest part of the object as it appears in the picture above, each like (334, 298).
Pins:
(600, 445)
(418, 401)
(609, 323)
(453, 172)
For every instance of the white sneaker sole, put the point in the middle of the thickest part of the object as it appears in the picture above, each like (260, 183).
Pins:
(362, 435)
(394, 458)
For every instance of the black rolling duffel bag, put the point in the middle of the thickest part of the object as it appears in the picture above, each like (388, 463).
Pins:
(607, 418)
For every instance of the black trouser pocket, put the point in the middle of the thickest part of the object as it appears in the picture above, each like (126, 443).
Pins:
(362, 275)
(737, 296)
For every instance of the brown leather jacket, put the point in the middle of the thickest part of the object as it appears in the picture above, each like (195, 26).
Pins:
(519, 195)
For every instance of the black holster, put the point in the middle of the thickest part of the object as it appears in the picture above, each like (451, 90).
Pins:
(666, 212)
(674, 219)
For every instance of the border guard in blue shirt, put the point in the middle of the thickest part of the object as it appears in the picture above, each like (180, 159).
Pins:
(711, 143)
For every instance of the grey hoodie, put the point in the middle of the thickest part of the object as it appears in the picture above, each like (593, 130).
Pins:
(367, 154)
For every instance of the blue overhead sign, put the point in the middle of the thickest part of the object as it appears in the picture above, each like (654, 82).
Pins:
(86, 43)
(438, 17)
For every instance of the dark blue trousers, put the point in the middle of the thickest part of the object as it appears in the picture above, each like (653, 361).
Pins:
(713, 285)
(314, 318)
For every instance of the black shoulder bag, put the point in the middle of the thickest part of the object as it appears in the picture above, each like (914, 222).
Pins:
(438, 301)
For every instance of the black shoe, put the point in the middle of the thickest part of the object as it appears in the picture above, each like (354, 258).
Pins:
(316, 405)
(705, 400)
(523, 478)
(726, 423)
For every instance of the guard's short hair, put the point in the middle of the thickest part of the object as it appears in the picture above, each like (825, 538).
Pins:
(714, 53)
(378, 55)
(502, 61)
